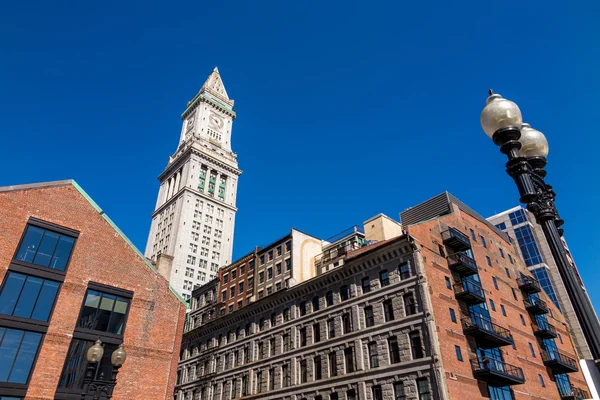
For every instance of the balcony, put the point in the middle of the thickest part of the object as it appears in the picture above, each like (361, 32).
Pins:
(574, 393)
(455, 239)
(544, 330)
(497, 372)
(469, 292)
(558, 362)
(462, 263)
(529, 284)
(486, 333)
(536, 306)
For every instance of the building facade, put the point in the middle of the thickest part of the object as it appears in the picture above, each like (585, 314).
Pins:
(191, 234)
(533, 249)
(70, 277)
(441, 309)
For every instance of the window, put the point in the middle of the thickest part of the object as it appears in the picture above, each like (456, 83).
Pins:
(415, 345)
(262, 259)
(458, 353)
(287, 378)
(514, 293)
(261, 324)
(501, 253)
(303, 308)
(560, 338)
(501, 226)
(388, 310)
(441, 250)
(270, 273)
(270, 255)
(541, 378)
(45, 248)
(278, 267)
(472, 234)
(507, 272)
(376, 393)
(483, 243)
(329, 298)
(365, 284)
(288, 264)
(261, 348)
(531, 349)
(76, 364)
(333, 396)
(224, 295)
(332, 364)
(452, 315)
(278, 286)
(488, 261)
(512, 342)
(503, 309)
(331, 328)
(373, 360)
(522, 319)
(286, 314)
(28, 296)
(288, 247)
(316, 333)
(384, 278)
(315, 303)
(303, 337)
(344, 293)
(318, 368)
(258, 382)
(528, 246)
(18, 349)
(404, 270)
(251, 265)
(273, 319)
(261, 276)
(272, 379)
(399, 393)
(423, 389)
(242, 270)
(351, 394)
(104, 312)
(232, 292)
(286, 342)
(394, 350)
(517, 217)
(233, 274)
(495, 281)
(241, 287)
(349, 360)
(510, 259)
(369, 318)
(448, 283)
(278, 251)
(410, 306)
(346, 324)
(492, 305)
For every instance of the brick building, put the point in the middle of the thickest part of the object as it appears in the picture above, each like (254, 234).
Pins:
(70, 277)
(440, 309)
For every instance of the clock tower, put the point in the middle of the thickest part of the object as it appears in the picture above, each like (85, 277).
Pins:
(191, 235)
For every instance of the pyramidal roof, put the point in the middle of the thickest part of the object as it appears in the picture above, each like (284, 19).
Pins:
(215, 88)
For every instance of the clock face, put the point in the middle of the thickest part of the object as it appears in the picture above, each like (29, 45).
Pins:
(215, 121)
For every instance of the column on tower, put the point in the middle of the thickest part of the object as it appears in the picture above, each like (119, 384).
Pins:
(177, 181)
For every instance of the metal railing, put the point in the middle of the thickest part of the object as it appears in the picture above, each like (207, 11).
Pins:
(462, 258)
(478, 321)
(492, 365)
(535, 302)
(467, 286)
(555, 355)
(525, 281)
(453, 233)
(573, 393)
(544, 326)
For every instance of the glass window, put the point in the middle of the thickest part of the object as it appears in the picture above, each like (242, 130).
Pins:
(503, 309)
(76, 364)
(27, 296)
(17, 351)
(316, 333)
(541, 380)
(373, 360)
(492, 305)
(315, 303)
(331, 328)
(318, 368)
(415, 345)
(349, 359)
(388, 310)
(384, 278)
(423, 389)
(500, 393)
(410, 306)
(399, 393)
(501, 253)
(495, 282)
(483, 243)
(332, 364)
(366, 284)
(541, 274)
(452, 315)
(472, 234)
(104, 312)
(303, 308)
(517, 217)
(522, 319)
(45, 248)
(531, 349)
(344, 292)
(288, 246)
(448, 283)
(458, 353)
(404, 271)
(369, 318)
(376, 392)
(394, 350)
(528, 245)
(346, 324)
(329, 298)
(488, 261)
(507, 272)
(501, 226)
(288, 264)
(351, 394)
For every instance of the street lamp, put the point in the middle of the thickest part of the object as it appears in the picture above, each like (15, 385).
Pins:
(527, 149)
(100, 389)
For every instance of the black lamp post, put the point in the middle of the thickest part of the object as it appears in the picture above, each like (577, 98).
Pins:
(101, 389)
(527, 149)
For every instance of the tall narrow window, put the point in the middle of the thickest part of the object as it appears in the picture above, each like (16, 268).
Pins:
(452, 315)
(331, 328)
(404, 270)
(376, 393)
(332, 358)
(384, 278)
(259, 382)
(415, 345)
(365, 283)
(399, 393)
(303, 372)
(423, 389)
(344, 293)
(495, 282)
(329, 298)
(303, 336)
(458, 353)
(531, 349)
(303, 308)
(483, 243)
(373, 360)
(394, 350)
(286, 342)
(388, 310)
(315, 303)
(351, 394)
(410, 306)
(271, 347)
(369, 318)
(318, 368)
(316, 333)
(346, 324)
(349, 360)
(285, 372)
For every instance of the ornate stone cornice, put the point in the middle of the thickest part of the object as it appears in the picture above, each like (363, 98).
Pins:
(203, 98)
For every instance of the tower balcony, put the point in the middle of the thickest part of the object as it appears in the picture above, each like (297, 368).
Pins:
(487, 334)
(574, 393)
(455, 239)
(558, 362)
(529, 284)
(469, 292)
(544, 330)
(536, 306)
(462, 263)
(497, 372)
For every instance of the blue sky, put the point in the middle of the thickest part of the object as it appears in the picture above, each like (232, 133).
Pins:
(345, 109)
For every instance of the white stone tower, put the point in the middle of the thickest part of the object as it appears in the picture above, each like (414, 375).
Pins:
(191, 235)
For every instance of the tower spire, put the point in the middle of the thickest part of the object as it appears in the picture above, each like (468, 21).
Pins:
(214, 87)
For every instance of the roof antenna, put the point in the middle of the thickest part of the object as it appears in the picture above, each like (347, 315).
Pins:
(490, 92)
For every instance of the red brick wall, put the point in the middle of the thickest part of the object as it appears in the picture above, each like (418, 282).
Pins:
(155, 323)
(239, 296)
(459, 376)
